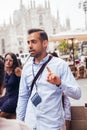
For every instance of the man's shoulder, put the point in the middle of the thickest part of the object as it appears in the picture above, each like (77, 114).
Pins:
(59, 60)
(28, 63)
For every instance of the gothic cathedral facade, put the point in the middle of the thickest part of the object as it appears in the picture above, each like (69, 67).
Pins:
(13, 35)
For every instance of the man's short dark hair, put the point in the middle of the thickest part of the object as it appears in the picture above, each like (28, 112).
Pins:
(43, 34)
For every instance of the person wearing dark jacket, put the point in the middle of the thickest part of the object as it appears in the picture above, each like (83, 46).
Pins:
(8, 101)
(8, 124)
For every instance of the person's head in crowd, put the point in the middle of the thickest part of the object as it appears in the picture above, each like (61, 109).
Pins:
(11, 61)
(37, 42)
(54, 54)
(19, 61)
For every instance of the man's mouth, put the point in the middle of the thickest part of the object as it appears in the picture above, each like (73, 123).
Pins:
(31, 51)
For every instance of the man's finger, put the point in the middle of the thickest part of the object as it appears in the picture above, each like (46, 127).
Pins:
(48, 69)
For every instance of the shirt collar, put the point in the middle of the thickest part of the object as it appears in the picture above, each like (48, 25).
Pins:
(43, 60)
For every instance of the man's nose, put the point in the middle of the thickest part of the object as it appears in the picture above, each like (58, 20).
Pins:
(30, 44)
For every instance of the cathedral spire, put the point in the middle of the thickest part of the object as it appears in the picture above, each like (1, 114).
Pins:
(31, 4)
(57, 14)
(10, 20)
(45, 3)
(34, 3)
(21, 3)
(68, 26)
(4, 23)
(28, 5)
(48, 4)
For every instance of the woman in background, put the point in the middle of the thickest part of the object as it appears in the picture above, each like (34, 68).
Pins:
(8, 102)
(8, 124)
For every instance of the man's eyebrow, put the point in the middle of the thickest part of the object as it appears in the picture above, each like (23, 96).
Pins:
(33, 40)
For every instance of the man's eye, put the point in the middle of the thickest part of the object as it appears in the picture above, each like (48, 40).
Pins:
(28, 42)
(33, 41)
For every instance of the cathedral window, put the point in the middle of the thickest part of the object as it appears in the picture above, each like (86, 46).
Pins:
(21, 51)
(20, 40)
(54, 31)
(40, 20)
(20, 43)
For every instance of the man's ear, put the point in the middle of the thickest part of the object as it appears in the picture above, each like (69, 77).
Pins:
(45, 43)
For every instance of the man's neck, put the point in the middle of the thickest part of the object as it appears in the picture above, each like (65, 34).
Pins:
(37, 60)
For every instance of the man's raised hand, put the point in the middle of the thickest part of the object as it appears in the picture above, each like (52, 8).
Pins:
(52, 78)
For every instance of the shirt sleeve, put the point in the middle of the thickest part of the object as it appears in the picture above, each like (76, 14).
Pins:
(67, 108)
(69, 84)
(22, 99)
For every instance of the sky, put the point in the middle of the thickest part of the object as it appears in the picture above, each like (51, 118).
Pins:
(67, 9)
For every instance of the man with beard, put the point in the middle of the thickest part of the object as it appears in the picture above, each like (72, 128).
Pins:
(40, 106)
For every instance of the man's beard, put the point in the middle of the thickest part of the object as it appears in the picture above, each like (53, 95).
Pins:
(36, 55)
